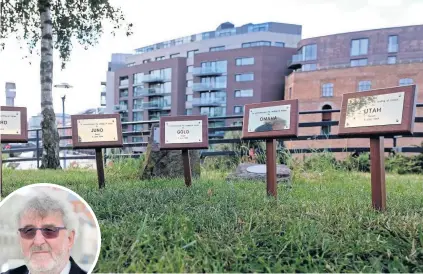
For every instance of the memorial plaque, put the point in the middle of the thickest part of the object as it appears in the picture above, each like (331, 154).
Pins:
(382, 112)
(271, 120)
(184, 132)
(13, 125)
(99, 130)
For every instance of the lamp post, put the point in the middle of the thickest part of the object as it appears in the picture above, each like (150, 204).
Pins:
(66, 86)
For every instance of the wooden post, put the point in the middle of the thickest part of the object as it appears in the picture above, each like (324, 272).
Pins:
(271, 167)
(100, 167)
(1, 172)
(377, 167)
(187, 167)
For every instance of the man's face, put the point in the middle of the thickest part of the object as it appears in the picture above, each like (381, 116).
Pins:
(41, 253)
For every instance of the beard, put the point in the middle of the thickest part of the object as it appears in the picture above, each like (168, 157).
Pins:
(56, 261)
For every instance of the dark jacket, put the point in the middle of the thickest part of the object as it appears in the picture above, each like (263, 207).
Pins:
(75, 269)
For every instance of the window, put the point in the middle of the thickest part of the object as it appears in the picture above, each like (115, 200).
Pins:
(220, 48)
(327, 90)
(138, 116)
(136, 139)
(190, 68)
(188, 111)
(259, 27)
(238, 109)
(137, 127)
(364, 85)
(219, 66)
(123, 93)
(309, 52)
(308, 67)
(138, 77)
(359, 62)
(191, 53)
(256, 44)
(244, 77)
(146, 61)
(326, 116)
(225, 32)
(174, 55)
(245, 61)
(392, 60)
(189, 98)
(160, 58)
(393, 43)
(405, 81)
(244, 93)
(359, 46)
(189, 83)
(123, 81)
(280, 44)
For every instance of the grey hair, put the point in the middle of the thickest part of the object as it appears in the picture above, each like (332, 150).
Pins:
(44, 203)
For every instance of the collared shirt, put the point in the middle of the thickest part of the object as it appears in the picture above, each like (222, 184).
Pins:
(65, 270)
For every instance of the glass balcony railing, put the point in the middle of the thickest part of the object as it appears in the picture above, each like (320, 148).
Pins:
(155, 78)
(208, 101)
(155, 105)
(120, 107)
(208, 71)
(213, 115)
(157, 117)
(124, 83)
(152, 92)
(208, 86)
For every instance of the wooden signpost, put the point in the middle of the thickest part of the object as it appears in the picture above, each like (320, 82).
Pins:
(184, 133)
(97, 131)
(271, 121)
(13, 129)
(376, 114)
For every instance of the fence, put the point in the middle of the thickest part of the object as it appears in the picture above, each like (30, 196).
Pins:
(38, 150)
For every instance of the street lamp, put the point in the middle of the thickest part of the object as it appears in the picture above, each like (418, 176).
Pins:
(65, 87)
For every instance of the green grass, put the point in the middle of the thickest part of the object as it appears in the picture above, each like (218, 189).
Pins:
(324, 223)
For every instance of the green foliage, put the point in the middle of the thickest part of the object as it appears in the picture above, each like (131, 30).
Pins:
(82, 20)
(323, 224)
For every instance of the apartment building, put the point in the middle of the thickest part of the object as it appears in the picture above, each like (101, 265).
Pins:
(214, 73)
(327, 67)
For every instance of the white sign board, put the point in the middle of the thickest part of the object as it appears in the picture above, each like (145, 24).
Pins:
(97, 130)
(269, 118)
(377, 110)
(179, 132)
(10, 122)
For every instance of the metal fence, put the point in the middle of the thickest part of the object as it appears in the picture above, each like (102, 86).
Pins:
(212, 140)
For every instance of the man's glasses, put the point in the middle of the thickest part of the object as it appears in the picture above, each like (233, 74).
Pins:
(29, 233)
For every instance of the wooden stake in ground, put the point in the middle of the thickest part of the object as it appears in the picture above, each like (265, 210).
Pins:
(13, 129)
(270, 121)
(376, 114)
(97, 131)
(184, 133)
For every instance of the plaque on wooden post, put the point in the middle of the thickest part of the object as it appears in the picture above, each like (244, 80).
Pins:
(184, 133)
(97, 131)
(377, 114)
(271, 121)
(13, 129)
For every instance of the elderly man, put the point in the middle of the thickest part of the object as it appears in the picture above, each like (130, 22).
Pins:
(47, 228)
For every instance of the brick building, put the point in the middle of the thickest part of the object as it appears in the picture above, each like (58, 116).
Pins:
(327, 67)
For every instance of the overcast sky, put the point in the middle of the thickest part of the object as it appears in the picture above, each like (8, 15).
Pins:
(161, 20)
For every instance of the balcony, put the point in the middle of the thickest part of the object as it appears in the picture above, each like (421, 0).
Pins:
(155, 105)
(208, 71)
(208, 86)
(120, 108)
(295, 62)
(124, 83)
(212, 102)
(214, 115)
(152, 92)
(153, 78)
(157, 117)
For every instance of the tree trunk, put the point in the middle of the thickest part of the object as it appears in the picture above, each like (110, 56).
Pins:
(50, 135)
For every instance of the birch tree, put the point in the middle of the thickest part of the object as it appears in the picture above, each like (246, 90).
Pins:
(46, 25)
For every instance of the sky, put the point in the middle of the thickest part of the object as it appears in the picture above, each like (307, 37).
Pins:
(161, 20)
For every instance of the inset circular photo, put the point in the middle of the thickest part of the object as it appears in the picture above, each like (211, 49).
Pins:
(46, 228)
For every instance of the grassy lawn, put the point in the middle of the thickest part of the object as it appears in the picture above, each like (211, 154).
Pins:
(324, 223)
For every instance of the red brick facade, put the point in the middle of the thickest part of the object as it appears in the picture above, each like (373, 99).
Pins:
(307, 87)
